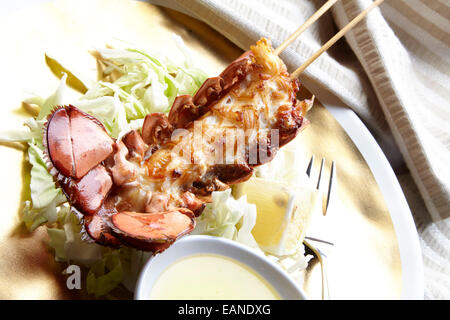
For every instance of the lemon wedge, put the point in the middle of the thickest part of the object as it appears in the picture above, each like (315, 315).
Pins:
(283, 213)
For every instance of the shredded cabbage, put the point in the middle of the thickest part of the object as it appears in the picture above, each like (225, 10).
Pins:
(45, 197)
(145, 84)
(67, 242)
(43, 189)
(54, 100)
(105, 275)
(228, 218)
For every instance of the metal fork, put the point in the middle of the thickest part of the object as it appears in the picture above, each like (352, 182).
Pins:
(314, 249)
(319, 179)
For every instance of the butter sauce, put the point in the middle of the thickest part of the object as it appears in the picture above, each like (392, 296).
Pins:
(211, 276)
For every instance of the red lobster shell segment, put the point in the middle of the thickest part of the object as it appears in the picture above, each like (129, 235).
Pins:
(76, 141)
(97, 229)
(151, 230)
(146, 189)
(88, 193)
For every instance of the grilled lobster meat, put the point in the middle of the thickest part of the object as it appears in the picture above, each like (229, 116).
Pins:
(145, 189)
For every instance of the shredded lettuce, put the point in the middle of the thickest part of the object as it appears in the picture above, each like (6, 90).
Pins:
(45, 197)
(132, 262)
(228, 218)
(56, 99)
(145, 83)
(43, 189)
(67, 241)
(57, 242)
(105, 275)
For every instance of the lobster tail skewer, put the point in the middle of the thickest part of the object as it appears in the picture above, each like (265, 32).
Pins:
(146, 189)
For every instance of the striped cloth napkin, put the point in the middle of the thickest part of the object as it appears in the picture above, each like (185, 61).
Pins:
(393, 71)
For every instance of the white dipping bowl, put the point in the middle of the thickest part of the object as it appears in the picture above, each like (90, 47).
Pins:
(198, 244)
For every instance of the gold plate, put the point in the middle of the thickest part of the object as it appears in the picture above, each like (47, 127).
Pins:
(365, 262)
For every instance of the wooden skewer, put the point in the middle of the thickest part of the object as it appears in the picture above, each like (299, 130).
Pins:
(333, 40)
(305, 26)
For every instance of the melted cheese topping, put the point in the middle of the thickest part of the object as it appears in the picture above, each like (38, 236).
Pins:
(244, 116)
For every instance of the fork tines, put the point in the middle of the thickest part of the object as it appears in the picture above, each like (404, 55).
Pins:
(319, 178)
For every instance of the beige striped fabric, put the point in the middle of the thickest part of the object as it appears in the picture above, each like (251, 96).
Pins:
(393, 71)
